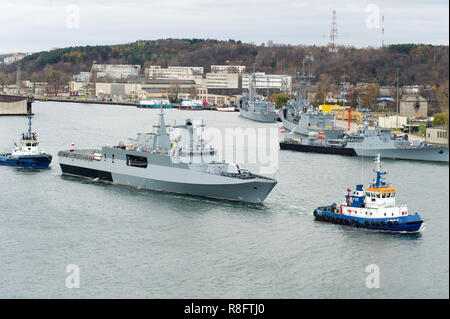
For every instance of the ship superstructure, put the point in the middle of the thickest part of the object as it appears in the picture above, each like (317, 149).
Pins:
(300, 117)
(255, 107)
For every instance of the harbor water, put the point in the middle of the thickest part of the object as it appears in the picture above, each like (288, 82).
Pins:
(134, 243)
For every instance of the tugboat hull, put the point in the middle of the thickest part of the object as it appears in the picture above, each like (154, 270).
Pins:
(29, 161)
(411, 223)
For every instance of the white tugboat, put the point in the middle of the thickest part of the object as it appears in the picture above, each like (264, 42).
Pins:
(372, 208)
(27, 153)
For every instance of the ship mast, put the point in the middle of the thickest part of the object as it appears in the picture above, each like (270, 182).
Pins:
(379, 180)
(29, 125)
(305, 82)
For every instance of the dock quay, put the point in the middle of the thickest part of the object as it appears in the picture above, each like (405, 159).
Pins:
(85, 101)
(106, 102)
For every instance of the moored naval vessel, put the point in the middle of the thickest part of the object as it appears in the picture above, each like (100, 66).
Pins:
(368, 142)
(158, 161)
(255, 107)
(300, 117)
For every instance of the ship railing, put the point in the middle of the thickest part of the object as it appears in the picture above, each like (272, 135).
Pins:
(77, 155)
(245, 174)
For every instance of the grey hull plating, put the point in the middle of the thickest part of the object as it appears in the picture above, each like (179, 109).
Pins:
(252, 191)
(259, 117)
(163, 175)
(432, 154)
(304, 129)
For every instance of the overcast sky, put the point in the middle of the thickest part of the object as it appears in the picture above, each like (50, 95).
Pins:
(35, 25)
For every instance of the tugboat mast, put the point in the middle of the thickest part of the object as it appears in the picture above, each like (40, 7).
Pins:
(377, 170)
(30, 136)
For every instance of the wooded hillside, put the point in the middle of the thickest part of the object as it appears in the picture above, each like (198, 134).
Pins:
(419, 64)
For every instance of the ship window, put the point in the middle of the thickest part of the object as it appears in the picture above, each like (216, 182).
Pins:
(28, 144)
(137, 161)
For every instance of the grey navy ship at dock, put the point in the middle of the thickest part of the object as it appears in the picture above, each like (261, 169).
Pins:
(255, 107)
(300, 117)
(312, 130)
(155, 161)
(368, 142)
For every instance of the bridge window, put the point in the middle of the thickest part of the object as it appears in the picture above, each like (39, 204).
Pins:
(137, 161)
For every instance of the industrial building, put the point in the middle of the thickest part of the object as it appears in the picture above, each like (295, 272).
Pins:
(414, 106)
(116, 71)
(240, 69)
(282, 83)
(223, 80)
(15, 105)
(142, 89)
(82, 77)
(436, 134)
(173, 72)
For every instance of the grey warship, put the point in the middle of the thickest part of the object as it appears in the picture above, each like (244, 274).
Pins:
(254, 107)
(155, 161)
(300, 117)
(368, 142)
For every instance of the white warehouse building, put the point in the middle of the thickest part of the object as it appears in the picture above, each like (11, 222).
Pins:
(116, 71)
(269, 81)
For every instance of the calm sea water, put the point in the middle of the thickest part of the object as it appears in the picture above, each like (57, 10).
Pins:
(140, 244)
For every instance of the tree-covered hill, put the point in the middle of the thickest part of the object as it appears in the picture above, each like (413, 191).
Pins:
(419, 64)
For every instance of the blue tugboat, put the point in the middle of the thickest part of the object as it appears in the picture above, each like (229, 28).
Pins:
(372, 208)
(28, 153)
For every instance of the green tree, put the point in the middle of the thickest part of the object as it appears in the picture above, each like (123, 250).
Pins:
(281, 99)
(441, 119)
(371, 96)
(319, 97)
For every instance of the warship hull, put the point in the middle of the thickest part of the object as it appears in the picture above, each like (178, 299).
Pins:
(165, 176)
(317, 149)
(259, 117)
(305, 130)
(425, 153)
